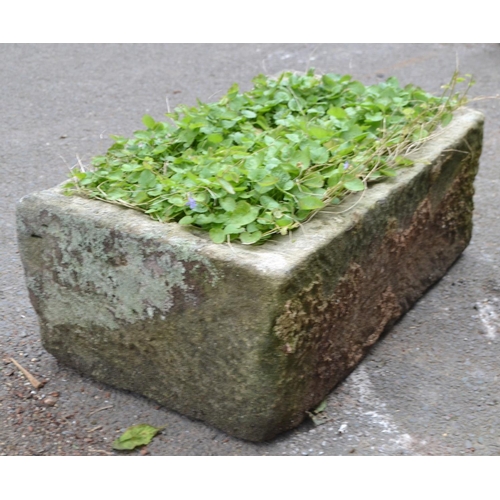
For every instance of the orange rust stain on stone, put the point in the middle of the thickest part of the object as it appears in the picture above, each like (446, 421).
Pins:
(329, 335)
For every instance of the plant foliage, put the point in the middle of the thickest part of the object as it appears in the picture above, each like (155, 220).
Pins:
(265, 161)
(137, 435)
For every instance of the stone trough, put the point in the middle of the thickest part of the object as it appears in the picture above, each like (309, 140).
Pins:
(247, 339)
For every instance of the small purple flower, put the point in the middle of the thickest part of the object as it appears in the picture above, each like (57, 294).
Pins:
(191, 203)
(346, 165)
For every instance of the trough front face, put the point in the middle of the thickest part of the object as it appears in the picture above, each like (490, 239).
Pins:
(244, 338)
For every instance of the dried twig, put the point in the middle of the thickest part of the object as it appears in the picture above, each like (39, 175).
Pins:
(31, 379)
(80, 163)
(100, 409)
(95, 429)
(101, 451)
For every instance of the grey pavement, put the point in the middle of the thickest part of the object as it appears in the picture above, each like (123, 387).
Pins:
(431, 386)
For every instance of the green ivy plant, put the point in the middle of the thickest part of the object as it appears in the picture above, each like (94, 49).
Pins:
(265, 161)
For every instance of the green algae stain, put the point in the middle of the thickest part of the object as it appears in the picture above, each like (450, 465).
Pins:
(109, 276)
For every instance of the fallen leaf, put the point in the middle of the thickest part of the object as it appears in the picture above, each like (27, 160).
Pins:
(318, 419)
(316, 415)
(320, 407)
(134, 436)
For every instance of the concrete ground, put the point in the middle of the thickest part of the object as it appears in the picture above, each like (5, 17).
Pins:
(431, 386)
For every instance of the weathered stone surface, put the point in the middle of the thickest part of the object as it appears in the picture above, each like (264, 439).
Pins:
(245, 338)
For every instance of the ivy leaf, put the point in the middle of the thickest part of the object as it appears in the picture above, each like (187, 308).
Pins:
(388, 172)
(145, 135)
(148, 121)
(233, 229)
(418, 135)
(270, 180)
(293, 137)
(215, 138)
(250, 238)
(217, 235)
(330, 81)
(243, 214)
(375, 117)
(305, 140)
(320, 133)
(338, 113)
(446, 119)
(147, 179)
(248, 113)
(294, 104)
(319, 154)
(228, 204)
(315, 180)
(186, 220)
(116, 194)
(116, 176)
(404, 162)
(137, 435)
(227, 186)
(357, 87)
(310, 203)
(355, 185)
(353, 132)
(268, 202)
